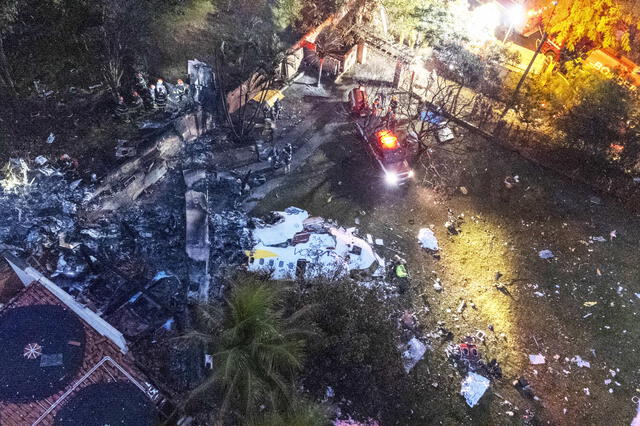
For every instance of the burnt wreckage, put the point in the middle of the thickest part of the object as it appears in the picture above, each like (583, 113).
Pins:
(142, 243)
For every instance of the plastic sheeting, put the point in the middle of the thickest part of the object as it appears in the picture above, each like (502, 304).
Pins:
(473, 387)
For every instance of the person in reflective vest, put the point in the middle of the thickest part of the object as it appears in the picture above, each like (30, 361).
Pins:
(180, 91)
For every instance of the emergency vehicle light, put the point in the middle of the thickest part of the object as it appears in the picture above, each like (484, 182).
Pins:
(387, 139)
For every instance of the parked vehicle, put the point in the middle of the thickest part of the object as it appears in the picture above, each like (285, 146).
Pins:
(604, 60)
(389, 153)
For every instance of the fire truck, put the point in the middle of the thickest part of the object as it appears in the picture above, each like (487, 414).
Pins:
(386, 148)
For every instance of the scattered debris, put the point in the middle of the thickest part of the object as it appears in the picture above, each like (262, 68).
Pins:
(589, 304)
(437, 286)
(51, 138)
(580, 362)
(523, 386)
(511, 181)
(546, 254)
(473, 387)
(464, 190)
(428, 239)
(290, 244)
(415, 352)
(536, 359)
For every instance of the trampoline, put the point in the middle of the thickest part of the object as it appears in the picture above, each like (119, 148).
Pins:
(41, 350)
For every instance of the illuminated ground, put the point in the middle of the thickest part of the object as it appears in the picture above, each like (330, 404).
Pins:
(542, 308)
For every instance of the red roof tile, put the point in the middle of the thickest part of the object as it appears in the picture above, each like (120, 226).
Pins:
(103, 362)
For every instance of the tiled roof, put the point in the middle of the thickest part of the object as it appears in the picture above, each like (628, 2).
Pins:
(103, 362)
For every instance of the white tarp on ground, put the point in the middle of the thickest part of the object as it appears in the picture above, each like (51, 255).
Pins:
(473, 387)
(414, 353)
(325, 249)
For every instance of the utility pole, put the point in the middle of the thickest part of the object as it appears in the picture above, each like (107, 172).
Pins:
(514, 97)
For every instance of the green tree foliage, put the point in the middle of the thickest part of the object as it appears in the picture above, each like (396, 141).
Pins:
(479, 70)
(258, 350)
(403, 14)
(597, 111)
(439, 25)
(313, 12)
(356, 352)
(66, 43)
(588, 110)
(119, 39)
(286, 13)
(606, 23)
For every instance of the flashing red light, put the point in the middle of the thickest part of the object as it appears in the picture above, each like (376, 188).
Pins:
(617, 148)
(387, 139)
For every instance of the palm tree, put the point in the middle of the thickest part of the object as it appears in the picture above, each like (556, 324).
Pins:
(257, 349)
(327, 43)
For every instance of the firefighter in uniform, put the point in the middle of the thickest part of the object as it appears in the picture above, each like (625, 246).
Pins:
(269, 128)
(376, 108)
(277, 109)
(150, 97)
(179, 91)
(137, 103)
(141, 83)
(122, 110)
(393, 104)
(287, 156)
(161, 94)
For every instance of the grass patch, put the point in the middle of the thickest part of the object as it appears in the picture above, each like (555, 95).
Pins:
(180, 36)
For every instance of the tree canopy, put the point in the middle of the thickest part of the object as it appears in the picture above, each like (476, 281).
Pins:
(257, 350)
(607, 23)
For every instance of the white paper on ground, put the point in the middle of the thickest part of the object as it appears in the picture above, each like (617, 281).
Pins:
(473, 387)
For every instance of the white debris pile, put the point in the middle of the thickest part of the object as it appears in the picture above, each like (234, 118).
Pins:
(414, 353)
(536, 359)
(546, 254)
(428, 239)
(473, 387)
(292, 244)
(577, 360)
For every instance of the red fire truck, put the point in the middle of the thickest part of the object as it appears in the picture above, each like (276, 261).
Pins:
(385, 147)
(389, 152)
